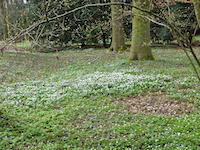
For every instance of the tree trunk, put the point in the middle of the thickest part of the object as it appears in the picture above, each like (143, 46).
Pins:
(197, 10)
(118, 42)
(104, 38)
(8, 18)
(140, 44)
(3, 12)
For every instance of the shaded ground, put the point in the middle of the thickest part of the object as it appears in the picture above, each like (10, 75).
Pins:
(195, 45)
(100, 46)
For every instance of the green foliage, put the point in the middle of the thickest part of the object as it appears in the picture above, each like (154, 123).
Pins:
(71, 103)
(196, 38)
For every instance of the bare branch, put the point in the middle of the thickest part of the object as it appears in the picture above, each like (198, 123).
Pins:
(45, 9)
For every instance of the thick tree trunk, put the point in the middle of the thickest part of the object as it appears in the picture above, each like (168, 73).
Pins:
(118, 42)
(197, 10)
(140, 49)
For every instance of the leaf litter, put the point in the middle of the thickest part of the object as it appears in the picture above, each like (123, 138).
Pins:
(156, 104)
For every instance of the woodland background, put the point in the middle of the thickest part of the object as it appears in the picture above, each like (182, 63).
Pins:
(68, 80)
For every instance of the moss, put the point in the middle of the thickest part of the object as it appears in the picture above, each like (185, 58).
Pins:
(147, 58)
(120, 49)
(143, 58)
(110, 49)
(130, 59)
(152, 57)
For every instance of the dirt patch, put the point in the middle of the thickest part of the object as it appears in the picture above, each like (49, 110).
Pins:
(156, 105)
(196, 49)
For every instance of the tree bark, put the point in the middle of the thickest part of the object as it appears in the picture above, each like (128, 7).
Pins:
(118, 42)
(140, 44)
(8, 19)
(197, 10)
(3, 12)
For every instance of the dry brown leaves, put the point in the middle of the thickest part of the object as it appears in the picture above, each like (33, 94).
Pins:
(156, 105)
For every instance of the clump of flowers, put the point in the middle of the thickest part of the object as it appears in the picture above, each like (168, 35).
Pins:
(46, 92)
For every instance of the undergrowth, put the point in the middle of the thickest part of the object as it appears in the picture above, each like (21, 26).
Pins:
(65, 101)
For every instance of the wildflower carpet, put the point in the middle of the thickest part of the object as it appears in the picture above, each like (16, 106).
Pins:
(93, 99)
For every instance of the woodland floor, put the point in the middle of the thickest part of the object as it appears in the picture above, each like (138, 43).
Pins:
(94, 99)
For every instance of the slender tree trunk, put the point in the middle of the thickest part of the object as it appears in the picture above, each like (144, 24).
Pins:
(197, 10)
(3, 12)
(118, 42)
(8, 18)
(140, 45)
(104, 38)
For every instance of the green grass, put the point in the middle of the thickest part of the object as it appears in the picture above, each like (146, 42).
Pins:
(196, 38)
(74, 100)
(24, 44)
(128, 42)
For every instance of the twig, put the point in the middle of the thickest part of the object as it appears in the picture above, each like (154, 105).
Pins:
(94, 60)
